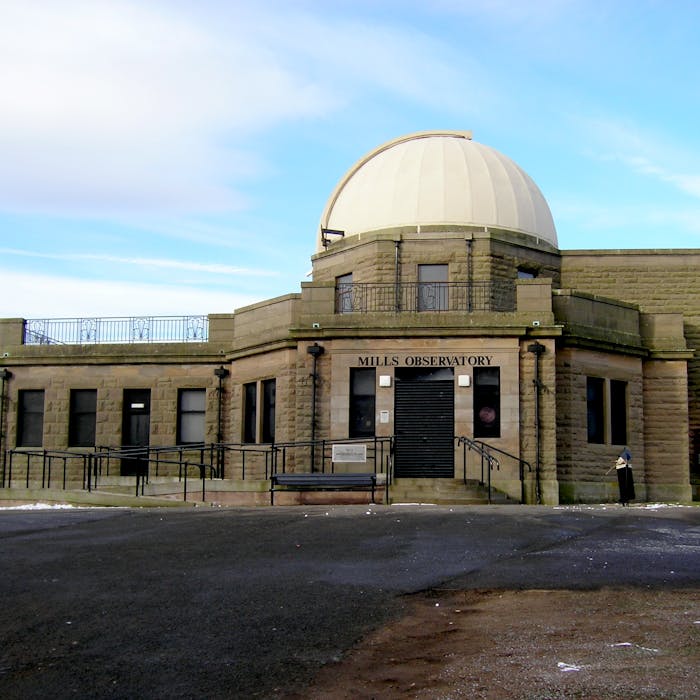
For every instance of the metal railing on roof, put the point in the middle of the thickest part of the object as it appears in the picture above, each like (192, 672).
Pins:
(132, 329)
(371, 297)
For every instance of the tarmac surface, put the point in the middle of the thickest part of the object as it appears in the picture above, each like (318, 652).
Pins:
(251, 603)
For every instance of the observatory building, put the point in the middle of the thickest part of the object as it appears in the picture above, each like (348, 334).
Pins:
(444, 341)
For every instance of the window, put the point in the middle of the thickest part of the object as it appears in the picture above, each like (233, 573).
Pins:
(607, 411)
(432, 288)
(526, 273)
(250, 412)
(487, 402)
(191, 411)
(83, 418)
(30, 418)
(618, 412)
(595, 409)
(344, 294)
(269, 390)
(362, 402)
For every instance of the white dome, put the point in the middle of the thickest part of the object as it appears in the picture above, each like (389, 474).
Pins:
(439, 178)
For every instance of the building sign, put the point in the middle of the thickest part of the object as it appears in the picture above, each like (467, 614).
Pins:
(349, 453)
(425, 360)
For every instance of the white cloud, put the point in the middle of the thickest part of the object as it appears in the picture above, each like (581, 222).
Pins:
(642, 152)
(53, 296)
(117, 106)
(120, 105)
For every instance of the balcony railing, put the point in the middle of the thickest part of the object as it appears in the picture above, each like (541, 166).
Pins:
(90, 331)
(424, 296)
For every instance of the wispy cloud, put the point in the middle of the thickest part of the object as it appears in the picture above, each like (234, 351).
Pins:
(122, 106)
(643, 152)
(210, 268)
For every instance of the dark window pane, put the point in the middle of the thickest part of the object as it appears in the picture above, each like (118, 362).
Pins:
(83, 418)
(618, 412)
(30, 419)
(269, 390)
(487, 402)
(362, 402)
(250, 412)
(595, 404)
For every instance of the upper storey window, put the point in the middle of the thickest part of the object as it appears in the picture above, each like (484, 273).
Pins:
(432, 288)
(343, 294)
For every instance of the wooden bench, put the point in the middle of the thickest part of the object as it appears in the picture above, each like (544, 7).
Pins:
(322, 482)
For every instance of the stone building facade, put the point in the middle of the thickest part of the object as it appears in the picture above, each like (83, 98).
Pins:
(440, 308)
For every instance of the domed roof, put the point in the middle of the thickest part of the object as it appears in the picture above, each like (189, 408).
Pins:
(436, 177)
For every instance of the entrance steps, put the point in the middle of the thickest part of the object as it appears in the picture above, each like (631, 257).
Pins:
(444, 492)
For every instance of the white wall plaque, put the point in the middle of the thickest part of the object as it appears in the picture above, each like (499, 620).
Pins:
(349, 453)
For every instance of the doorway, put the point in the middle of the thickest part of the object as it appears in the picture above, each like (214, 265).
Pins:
(424, 423)
(136, 427)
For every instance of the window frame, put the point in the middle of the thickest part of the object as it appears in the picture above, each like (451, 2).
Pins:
(486, 395)
(362, 405)
(30, 423)
(619, 419)
(268, 391)
(186, 414)
(82, 419)
(595, 411)
(344, 294)
(250, 413)
(435, 288)
(607, 411)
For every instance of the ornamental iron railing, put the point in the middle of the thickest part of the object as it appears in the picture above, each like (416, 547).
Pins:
(134, 329)
(373, 297)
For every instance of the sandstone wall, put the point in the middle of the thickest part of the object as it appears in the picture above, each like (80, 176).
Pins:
(661, 281)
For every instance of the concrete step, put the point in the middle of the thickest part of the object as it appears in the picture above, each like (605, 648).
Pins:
(443, 492)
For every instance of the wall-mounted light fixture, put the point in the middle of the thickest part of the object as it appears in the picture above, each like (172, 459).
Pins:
(384, 380)
(464, 380)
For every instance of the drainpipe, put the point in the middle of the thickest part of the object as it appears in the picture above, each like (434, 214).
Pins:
(315, 351)
(470, 274)
(397, 282)
(537, 349)
(221, 373)
(5, 376)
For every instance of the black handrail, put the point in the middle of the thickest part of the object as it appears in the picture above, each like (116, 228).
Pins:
(482, 450)
(522, 463)
(485, 450)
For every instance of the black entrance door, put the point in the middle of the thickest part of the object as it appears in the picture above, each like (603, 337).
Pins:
(424, 423)
(136, 425)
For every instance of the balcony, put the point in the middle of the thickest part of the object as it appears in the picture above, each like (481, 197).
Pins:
(424, 296)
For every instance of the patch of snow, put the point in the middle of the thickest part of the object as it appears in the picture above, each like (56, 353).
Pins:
(567, 668)
(630, 644)
(40, 506)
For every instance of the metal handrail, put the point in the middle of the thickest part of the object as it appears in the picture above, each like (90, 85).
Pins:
(481, 449)
(378, 297)
(131, 329)
(522, 463)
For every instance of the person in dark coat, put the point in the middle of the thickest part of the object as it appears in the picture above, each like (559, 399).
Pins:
(625, 480)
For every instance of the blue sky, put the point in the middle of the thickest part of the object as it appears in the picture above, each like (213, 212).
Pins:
(172, 157)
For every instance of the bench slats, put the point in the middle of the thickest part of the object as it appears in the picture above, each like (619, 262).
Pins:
(321, 482)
